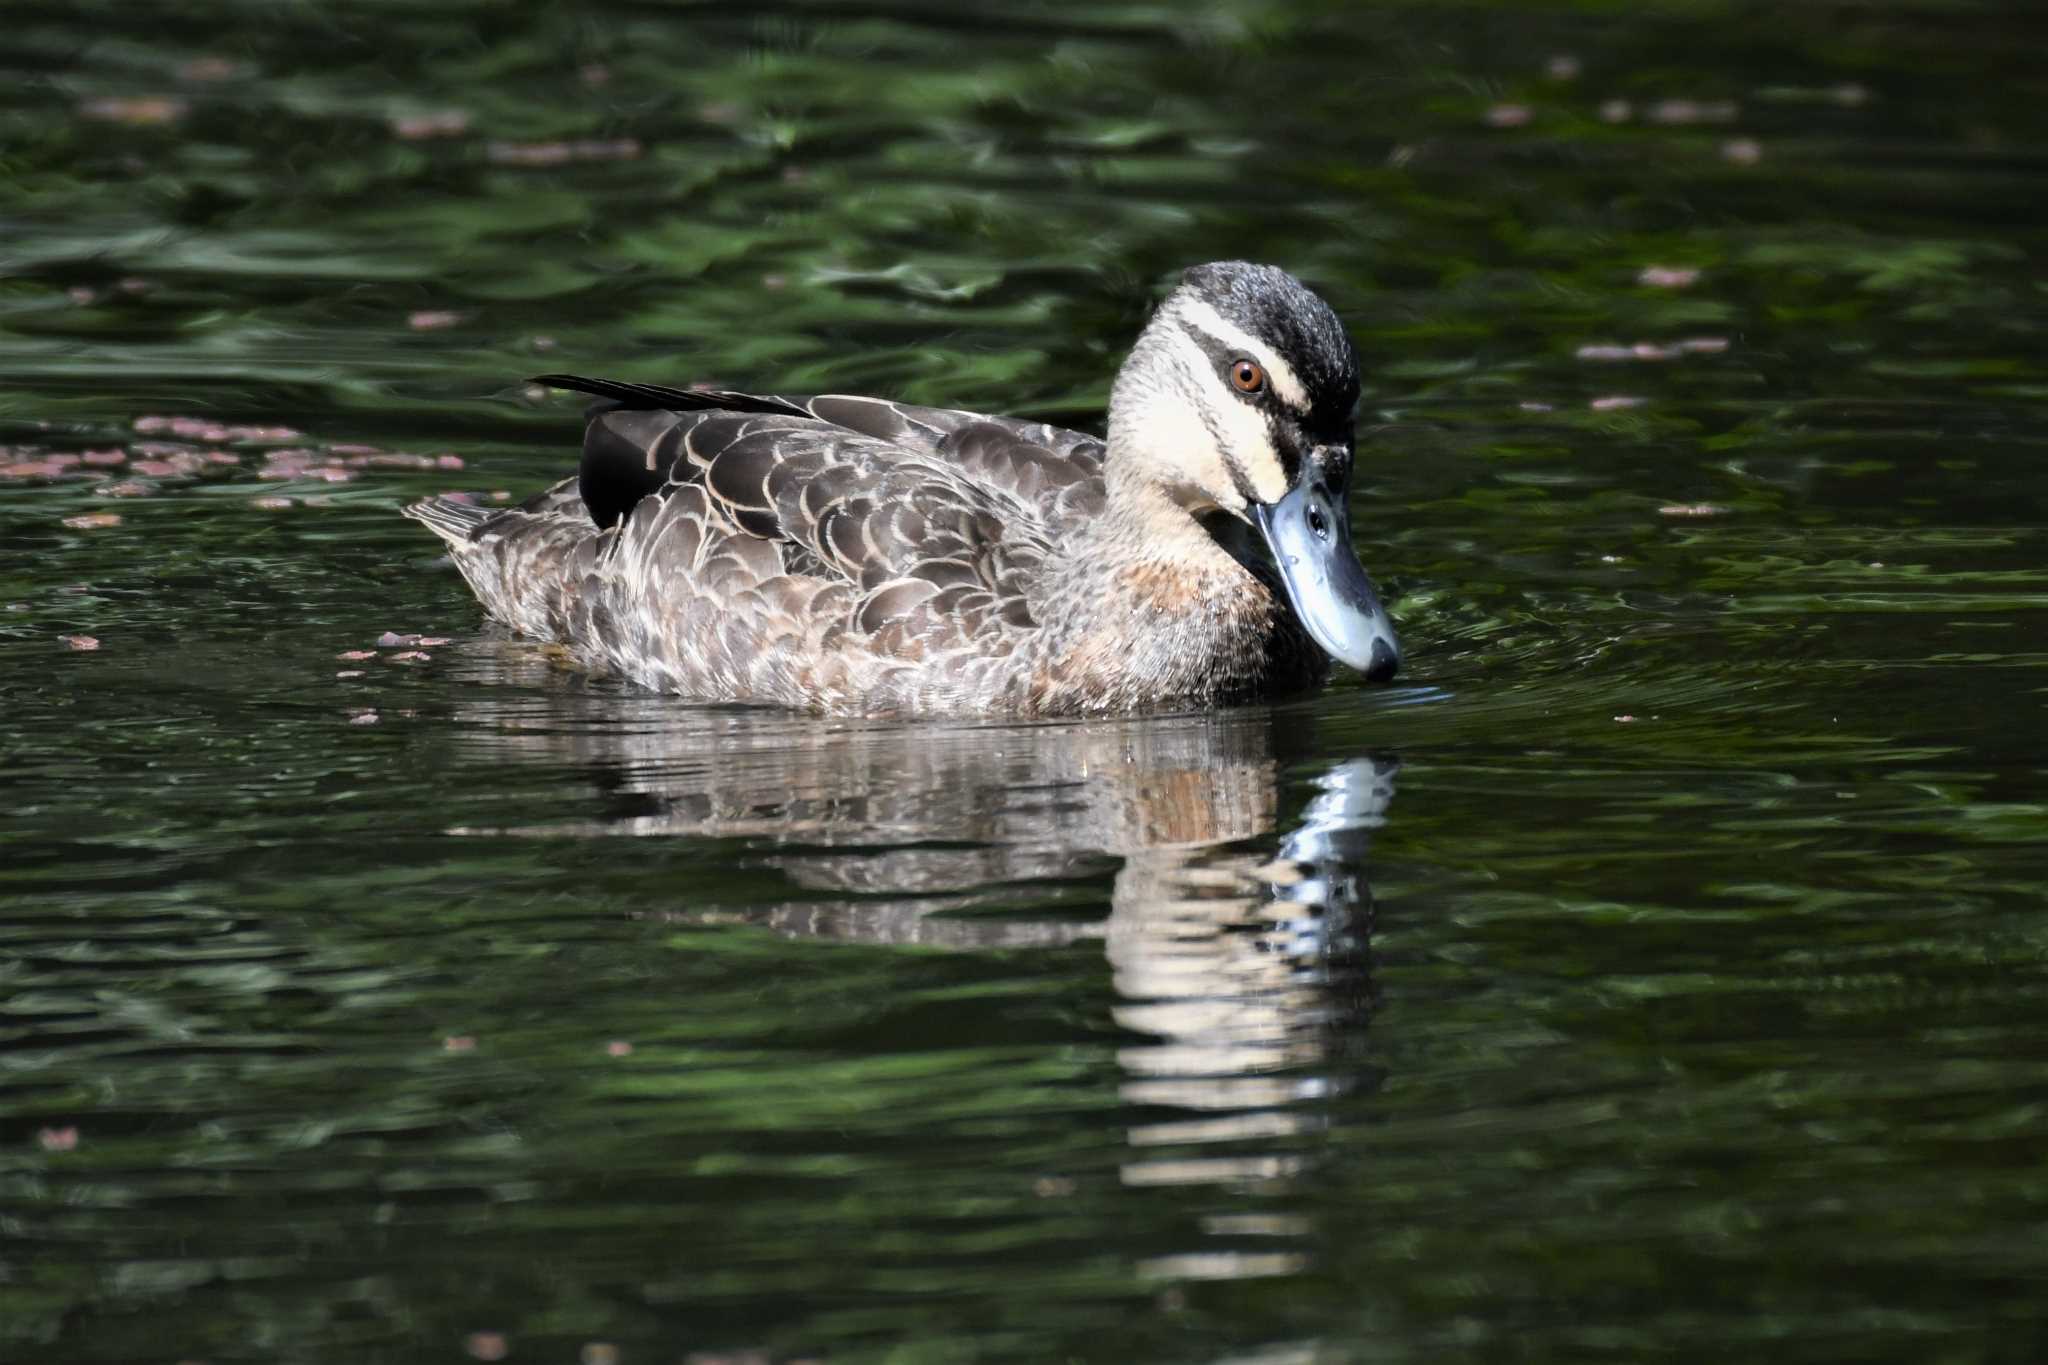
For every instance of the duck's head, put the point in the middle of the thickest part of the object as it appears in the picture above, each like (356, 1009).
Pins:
(1239, 398)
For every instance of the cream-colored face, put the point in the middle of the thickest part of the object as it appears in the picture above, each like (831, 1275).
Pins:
(1199, 433)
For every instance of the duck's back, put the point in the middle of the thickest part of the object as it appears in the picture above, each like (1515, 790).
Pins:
(837, 553)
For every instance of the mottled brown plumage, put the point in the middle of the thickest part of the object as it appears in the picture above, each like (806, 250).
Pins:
(853, 555)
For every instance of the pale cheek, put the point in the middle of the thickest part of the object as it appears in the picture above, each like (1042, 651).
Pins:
(1212, 477)
(1252, 443)
(1161, 441)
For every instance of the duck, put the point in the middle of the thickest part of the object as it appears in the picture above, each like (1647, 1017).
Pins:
(851, 555)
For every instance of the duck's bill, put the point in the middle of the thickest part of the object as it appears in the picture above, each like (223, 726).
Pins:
(1311, 544)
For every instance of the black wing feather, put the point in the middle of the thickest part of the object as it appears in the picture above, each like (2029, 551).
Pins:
(644, 396)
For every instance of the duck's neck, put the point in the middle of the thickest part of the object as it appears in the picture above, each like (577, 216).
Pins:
(1153, 610)
(1176, 578)
(1150, 524)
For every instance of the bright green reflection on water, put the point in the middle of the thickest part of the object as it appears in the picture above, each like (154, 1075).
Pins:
(1657, 972)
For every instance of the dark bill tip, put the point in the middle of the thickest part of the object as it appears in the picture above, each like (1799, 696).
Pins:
(1386, 662)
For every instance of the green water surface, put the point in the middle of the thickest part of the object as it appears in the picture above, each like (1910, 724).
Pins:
(1658, 971)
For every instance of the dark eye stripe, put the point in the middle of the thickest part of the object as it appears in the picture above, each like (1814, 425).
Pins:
(1225, 357)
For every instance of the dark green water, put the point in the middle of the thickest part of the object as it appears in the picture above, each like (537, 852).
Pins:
(1659, 971)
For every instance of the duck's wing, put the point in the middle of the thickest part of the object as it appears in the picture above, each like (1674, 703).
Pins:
(1057, 470)
(898, 526)
(1054, 470)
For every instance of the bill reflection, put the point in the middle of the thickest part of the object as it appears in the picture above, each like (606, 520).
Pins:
(1243, 971)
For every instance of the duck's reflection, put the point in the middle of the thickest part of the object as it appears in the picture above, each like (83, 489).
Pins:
(1240, 961)
(1245, 971)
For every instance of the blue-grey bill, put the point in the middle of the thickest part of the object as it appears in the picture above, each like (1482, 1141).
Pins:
(1311, 545)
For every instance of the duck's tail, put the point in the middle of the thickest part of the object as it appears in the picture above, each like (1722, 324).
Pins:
(452, 519)
(518, 560)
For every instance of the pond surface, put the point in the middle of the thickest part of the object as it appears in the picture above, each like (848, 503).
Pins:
(1659, 970)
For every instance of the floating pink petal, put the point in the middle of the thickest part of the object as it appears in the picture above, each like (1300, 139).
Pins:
(561, 153)
(1691, 509)
(1605, 352)
(410, 656)
(356, 655)
(93, 521)
(83, 644)
(63, 1139)
(391, 639)
(1668, 276)
(363, 718)
(448, 462)
(618, 1048)
(104, 457)
(432, 319)
(459, 1042)
(1742, 151)
(139, 111)
(1613, 402)
(1509, 115)
(442, 123)
(208, 69)
(486, 1345)
(1692, 111)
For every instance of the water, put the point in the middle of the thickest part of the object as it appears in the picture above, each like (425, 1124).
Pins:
(1658, 971)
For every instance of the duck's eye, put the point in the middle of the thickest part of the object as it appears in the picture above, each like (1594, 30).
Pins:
(1247, 375)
